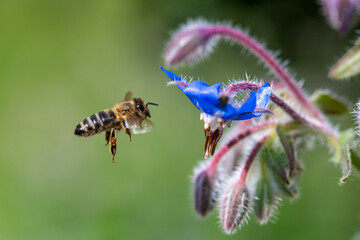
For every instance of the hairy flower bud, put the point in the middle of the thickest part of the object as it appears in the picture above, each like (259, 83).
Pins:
(190, 43)
(204, 193)
(340, 13)
(234, 207)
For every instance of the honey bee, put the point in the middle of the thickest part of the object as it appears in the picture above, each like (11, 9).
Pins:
(129, 114)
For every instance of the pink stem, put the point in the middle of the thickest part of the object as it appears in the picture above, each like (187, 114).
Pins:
(251, 158)
(219, 154)
(271, 62)
(241, 86)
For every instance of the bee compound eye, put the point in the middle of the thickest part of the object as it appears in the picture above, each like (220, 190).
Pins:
(140, 107)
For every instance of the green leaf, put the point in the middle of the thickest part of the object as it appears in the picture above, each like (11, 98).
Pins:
(288, 190)
(276, 160)
(348, 65)
(287, 144)
(330, 103)
(264, 202)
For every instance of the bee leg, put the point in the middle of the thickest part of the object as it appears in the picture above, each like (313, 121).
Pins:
(113, 144)
(128, 133)
(107, 137)
(127, 130)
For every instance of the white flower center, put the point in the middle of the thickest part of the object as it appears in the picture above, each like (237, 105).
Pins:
(214, 122)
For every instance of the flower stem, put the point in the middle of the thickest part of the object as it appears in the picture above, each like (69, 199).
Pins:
(219, 154)
(322, 126)
(270, 61)
(251, 158)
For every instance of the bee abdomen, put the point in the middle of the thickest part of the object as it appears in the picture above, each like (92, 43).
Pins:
(96, 123)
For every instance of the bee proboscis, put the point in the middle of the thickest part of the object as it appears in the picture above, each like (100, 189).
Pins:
(132, 113)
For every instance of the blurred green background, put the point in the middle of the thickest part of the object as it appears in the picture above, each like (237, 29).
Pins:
(62, 61)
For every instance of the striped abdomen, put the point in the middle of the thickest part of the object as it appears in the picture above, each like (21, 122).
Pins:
(96, 123)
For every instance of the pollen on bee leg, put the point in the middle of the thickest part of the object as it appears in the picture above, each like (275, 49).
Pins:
(113, 144)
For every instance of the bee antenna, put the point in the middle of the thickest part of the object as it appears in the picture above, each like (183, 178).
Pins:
(151, 103)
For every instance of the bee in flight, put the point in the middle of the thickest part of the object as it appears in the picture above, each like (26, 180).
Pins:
(130, 113)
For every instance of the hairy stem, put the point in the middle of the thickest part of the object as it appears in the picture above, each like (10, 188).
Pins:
(269, 60)
(321, 126)
(251, 158)
(219, 154)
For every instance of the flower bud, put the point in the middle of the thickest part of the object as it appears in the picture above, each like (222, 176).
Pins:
(235, 207)
(191, 43)
(204, 195)
(340, 13)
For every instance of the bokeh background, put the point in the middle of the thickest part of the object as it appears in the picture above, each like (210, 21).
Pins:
(61, 61)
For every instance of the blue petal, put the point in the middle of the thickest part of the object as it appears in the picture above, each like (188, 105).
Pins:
(258, 99)
(206, 98)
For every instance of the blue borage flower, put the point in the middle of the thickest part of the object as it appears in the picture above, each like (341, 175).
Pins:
(217, 109)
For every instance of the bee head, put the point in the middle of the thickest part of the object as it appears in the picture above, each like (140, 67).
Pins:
(142, 107)
(150, 103)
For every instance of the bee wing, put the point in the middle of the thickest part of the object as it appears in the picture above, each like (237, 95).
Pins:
(128, 96)
(138, 127)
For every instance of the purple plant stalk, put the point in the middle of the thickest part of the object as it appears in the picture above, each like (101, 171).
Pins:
(270, 61)
(251, 157)
(241, 86)
(220, 153)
